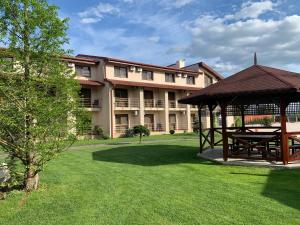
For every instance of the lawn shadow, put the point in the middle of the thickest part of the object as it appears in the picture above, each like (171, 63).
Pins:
(150, 155)
(284, 187)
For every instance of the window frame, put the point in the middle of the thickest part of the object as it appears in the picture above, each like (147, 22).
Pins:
(119, 74)
(80, 71)
(193, 80)
(146, 76)
(168, 76)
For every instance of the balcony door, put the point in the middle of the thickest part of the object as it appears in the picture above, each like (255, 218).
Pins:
(172, 121)
(121, 96)
(149, 121)
(86, 97)
(148, 98)
(122, 123)
(172, 99)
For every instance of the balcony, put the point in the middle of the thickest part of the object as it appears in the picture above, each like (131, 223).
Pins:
(159, 127)
(89, 103)
(127, 103)
(178, 126)
(172, 104)
(154, 103)
(121, 128)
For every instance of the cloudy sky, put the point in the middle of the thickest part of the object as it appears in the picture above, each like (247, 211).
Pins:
(224, 34)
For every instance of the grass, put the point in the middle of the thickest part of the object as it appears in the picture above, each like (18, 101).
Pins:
(157, 183)
(118, 141)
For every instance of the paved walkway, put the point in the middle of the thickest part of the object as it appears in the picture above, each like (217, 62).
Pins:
(217, 156)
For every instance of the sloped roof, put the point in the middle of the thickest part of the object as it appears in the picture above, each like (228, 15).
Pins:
(253, 81)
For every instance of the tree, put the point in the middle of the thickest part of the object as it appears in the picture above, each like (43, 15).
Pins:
(38, 93)
(141, 130)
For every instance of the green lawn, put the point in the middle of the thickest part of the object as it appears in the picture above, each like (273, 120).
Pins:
(157, 183)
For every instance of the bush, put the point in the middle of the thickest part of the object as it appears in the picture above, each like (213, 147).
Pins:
(172, 132)
(129, 133)
(141, 130)
(100, 133)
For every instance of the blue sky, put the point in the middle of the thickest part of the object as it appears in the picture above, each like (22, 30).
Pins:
(224, 34)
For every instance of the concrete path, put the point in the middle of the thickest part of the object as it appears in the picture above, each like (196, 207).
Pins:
(217, 156)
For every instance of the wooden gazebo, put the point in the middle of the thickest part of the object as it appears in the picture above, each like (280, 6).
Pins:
(257, 90)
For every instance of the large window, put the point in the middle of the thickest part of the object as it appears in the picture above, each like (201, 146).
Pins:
(190, 80)
(147, 75)
(120, 71)
(208, 80)
(83, 70)
(170, 77)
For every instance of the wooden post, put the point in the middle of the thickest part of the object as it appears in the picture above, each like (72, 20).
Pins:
(200, 128)
(224, 132)
(212, 129)
(243, 118)
(284, 139)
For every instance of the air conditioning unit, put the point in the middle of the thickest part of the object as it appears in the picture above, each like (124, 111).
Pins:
(136, 113)
(184, 75)
(139, 69)
(178, 74)
(131, 68)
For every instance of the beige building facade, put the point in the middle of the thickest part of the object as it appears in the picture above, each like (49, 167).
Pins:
(120, 94)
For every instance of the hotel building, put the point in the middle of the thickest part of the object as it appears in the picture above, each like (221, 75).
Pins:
(120, 94)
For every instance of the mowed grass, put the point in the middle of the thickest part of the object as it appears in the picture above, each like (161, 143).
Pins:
(157, 183)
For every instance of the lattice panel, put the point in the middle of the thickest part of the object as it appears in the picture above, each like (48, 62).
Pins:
(263, 109)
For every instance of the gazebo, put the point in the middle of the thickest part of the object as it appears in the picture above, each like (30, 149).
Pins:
(257, 90)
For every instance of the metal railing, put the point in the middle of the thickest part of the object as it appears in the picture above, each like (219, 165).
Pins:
(89, 103)
(155, 127)
(154, 103)
(181, 106)
(127, 102)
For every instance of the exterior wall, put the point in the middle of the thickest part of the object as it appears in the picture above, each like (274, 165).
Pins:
(105, 117)
(158, 77)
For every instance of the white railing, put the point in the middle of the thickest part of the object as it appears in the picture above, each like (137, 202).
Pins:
(155, 127)
(178, 126)
(127, 102)
(88, 103)
(154, 103)
(182, 106)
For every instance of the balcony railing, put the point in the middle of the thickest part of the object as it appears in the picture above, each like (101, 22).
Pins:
(178, 126)
(155, 127)
(154, 103)
(127, 102)
(181, 106)
(121, 128)
(172, 104)
(89, 103)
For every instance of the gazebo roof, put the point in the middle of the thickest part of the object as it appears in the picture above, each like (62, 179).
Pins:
(247, 85)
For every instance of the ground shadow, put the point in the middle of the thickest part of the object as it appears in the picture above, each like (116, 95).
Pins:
(151, 155)
(284, 187)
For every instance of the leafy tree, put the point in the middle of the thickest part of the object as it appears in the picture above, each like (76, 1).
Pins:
(141, 130)
(37, 90)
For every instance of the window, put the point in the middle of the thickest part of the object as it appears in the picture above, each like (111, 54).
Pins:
(121, 93)
(208, 80)
(120, 72)
(147, 75)
(190, 80)
(83, 70)
(170, 77)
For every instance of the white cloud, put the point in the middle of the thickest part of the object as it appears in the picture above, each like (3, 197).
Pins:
(228, 44)
(251, 9)
(169, 4)
(96, 13)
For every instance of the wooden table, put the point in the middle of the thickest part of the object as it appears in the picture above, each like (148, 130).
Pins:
(260, 142)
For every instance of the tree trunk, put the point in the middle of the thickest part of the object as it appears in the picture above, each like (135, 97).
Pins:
(140, 138)
(32, 181)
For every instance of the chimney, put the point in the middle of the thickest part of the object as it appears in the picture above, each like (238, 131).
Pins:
(180, 63)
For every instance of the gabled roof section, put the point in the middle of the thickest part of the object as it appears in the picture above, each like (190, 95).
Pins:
(256, 79)
(131, 63)
(207, 68)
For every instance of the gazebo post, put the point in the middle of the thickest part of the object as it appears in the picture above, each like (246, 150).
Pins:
(224, 131)
(212, 129)
(284, 140)
(200, 128)
(243, 118)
